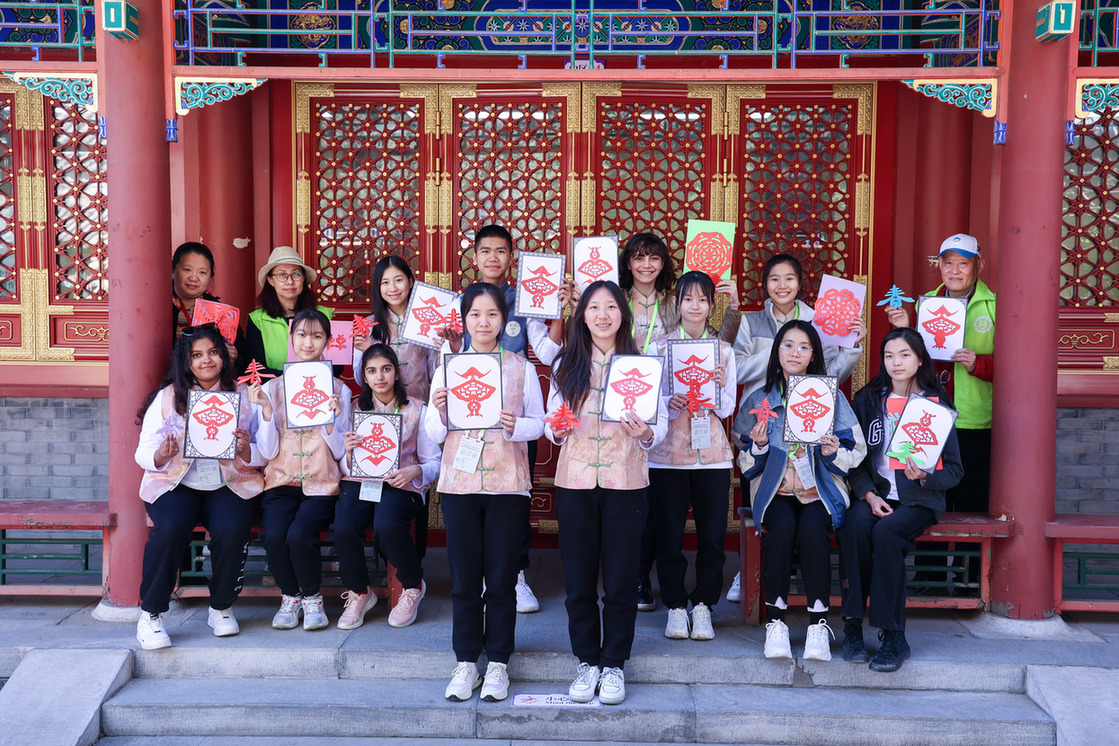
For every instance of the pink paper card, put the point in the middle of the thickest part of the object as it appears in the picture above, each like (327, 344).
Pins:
(633, 383)
(378, 454)
(710, 248)
(308, 387)
(340, 349)
(894, 407)
(941, 322)
(919, 437)
(430, 310)
(691, 363)
(211, 424)
(594, 258)
(224, 316)
(810, 408)
(474, 393)
(539, 279)
(839, 303)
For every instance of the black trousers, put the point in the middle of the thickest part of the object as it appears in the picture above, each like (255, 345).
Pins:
(484, 543)
(872, 554)
(526, 534)
(228, 518)
(392, 527)
(793, 526)
(671, 492)
(292, 523)
(600, 530)
(971, 495)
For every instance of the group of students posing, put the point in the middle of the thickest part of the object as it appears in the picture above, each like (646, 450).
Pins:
(620, 486)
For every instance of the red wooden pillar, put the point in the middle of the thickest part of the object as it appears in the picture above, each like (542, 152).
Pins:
(1023, 464)
(132, 101)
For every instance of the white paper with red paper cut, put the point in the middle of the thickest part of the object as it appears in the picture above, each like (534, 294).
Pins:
(633, 383)
(431, 309)
(839, 303)
(539, 279)
(710, 248)
(378, 454)
(594, 258)
(691, 367)
(308, 387)
(224, 316)
(474, 396)
(941, 322)
(211, 424)
(810, 408)
(340, 348)
(921, 433)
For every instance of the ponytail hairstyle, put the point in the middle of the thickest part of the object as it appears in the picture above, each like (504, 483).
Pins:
(774, 376)
(926, 380)
(366, 397)
(381, 332)
(572, 369)
(639, 245)
(180, 376)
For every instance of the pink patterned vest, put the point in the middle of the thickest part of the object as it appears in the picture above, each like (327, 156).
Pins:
(304, 459)
(676, 448)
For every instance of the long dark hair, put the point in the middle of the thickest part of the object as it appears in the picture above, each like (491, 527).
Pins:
(777, 259)
(927, 382)
(690, 280)
(641, 244)
(572, 369)
(774, 376)
(268, 300)
(381, 332)
(365, 398)
(180, 376)
(312, 316)
(471, 294)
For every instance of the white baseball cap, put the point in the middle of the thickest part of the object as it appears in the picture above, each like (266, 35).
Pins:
(962, 244)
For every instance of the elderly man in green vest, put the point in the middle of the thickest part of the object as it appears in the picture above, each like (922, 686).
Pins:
(968, 377)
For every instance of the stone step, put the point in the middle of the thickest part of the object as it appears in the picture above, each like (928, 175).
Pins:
(311, 741)
(202, 707)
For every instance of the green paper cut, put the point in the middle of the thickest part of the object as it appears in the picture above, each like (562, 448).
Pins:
(710, 248)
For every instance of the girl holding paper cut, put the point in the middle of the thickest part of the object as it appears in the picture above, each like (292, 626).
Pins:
(798, 492)
(601, 477)
(392, 287)
(687, 471)
(401, 498)
(891, 507)
(180, 493)
(484, 483)
(301, 482)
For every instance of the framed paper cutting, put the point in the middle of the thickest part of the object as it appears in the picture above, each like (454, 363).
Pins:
(941, 322)
(691, 365)
(474, 396)
(810, 408)
(594, 258)
(431, 309)
(539, 279)
(378, 454)
(839, 303)
(920, 434)
(211, 424)
(308, 387)
(633, 383)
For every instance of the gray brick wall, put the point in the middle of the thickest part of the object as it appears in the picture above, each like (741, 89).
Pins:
(55, 449)
(1087, 461)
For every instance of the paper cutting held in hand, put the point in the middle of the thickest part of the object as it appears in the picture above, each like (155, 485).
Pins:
(691, 367)
(839, 304)
(633, 383)
(254, 374)
(895, 296)
(211, 429)
(474, 394)
(340, 349)
(171, 427)
(224, 316)
(539, 279)
(363, 326)
(941, 322)
(764, 412)
(563, 419)
(710, 248)
(921, 432)
(594, 258)
(431, 309)
(308, 388)
(810, 412)
(378, 453)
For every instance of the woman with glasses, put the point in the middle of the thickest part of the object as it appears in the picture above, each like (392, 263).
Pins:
(285, 283)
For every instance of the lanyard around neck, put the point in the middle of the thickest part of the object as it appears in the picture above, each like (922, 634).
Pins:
(685, 335)
(652, 320)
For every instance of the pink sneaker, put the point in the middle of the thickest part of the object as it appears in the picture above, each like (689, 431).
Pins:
(357, 606)
(404, 613)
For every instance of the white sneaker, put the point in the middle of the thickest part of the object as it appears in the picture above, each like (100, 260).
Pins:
(288, 615)
(496, 685)
(817, 646)
(612, 688)
(734, 593)
(404, 613)
(526, 599)
(701, 623)
(149, 632)
(357, 606)
(223, 622)
(777, 640)
(464, 681)
(585, 684)
(313, 615)
(677, 627)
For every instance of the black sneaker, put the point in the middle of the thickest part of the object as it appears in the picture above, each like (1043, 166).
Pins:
(893, 652)
(645, 600)
(854, 649)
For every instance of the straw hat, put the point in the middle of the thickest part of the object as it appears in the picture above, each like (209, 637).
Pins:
(284, 255)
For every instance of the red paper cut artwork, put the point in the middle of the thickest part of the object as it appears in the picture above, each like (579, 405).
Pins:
(224, 317)
(810, 410)
(631, 386)
(695, 377)
(213, 416)
(429, 316)
(941, 326)
(695, 401)
(764, 412)
(473, 391)
(540, 286)
(254, 374)
(920, 433)
(596, 266)
(454, 321)
(376, 444)
(563, 419)
(337, 342)
(309, 398)
(363, 326)
(836, 309)
(710, 252)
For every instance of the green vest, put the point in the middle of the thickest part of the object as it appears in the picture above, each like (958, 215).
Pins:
(971, 395)
(274, 334)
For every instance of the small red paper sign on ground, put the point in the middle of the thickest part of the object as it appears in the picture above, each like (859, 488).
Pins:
(225, 317)
(254, 374)
(563, 419)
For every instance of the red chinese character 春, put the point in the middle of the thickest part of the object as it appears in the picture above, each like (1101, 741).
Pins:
(254, 375)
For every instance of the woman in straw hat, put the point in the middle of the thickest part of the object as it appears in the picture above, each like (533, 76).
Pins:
(285, 282)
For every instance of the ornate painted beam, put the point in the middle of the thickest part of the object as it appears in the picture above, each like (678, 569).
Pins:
(978, 95)
(1096, 96)
(74, 88)
(195, 93)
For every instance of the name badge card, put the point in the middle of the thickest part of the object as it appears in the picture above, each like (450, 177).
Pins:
(378, 454)
(839, 303)
(474, 394)
(371, 490)
(539, 279)
(308, 387)
(922, 430)
(469, 454)
(633, 383)
(693, 364)
(594, 258)
(208, 472)
(431, 309)
(340, 349)
(710, 248)
(941, 322)
(211, 424)
(701, 432)
(225, 317)
(810, 411)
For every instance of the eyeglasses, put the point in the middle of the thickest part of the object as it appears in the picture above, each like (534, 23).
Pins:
(295, 276)
(802, 349)
(190, 331)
